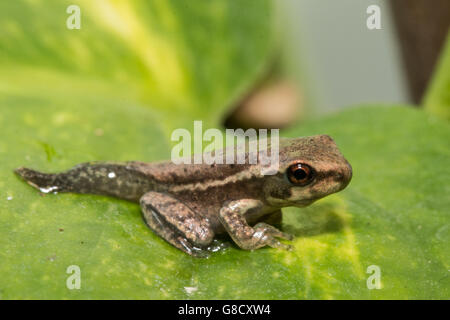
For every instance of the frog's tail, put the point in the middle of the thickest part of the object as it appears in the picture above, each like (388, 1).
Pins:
(44, 182)
(111, 179)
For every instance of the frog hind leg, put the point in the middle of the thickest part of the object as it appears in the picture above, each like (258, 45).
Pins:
(176, 223)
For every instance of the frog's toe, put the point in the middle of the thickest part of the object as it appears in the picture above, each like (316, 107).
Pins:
(287, 236)
(274, 231)
(200, 253)
(274, 243)
(191, 249)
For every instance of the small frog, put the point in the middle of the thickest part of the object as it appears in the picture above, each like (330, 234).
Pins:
(188, 205)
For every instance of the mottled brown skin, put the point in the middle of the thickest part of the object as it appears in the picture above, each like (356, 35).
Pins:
(189, 204)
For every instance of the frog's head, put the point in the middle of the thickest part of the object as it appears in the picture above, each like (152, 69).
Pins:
(310, 168)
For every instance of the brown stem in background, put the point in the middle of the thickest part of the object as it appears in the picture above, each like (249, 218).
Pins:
(422, 26)
(275, 101)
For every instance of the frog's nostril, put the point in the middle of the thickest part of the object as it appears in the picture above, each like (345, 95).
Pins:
(349, 171)
(347, 174)
(344, 175)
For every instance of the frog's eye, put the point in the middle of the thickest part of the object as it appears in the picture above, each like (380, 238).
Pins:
(300, 174)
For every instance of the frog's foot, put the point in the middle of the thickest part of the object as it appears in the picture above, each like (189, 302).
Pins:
(186, 246)
(274, 231)
(176, 223)
(232, 217)
(267, 235)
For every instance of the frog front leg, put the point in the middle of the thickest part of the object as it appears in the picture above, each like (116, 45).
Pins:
(232, 217)
(176, 223)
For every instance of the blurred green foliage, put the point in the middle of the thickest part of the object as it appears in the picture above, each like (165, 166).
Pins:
(186, 59)
(437, 98)
(114, 92)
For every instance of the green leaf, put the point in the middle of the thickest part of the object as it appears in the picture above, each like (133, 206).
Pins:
(394, 214)
(437, 98)
(69, 96)
(192, 58)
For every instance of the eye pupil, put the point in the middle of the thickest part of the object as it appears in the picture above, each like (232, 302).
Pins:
(300, 174)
